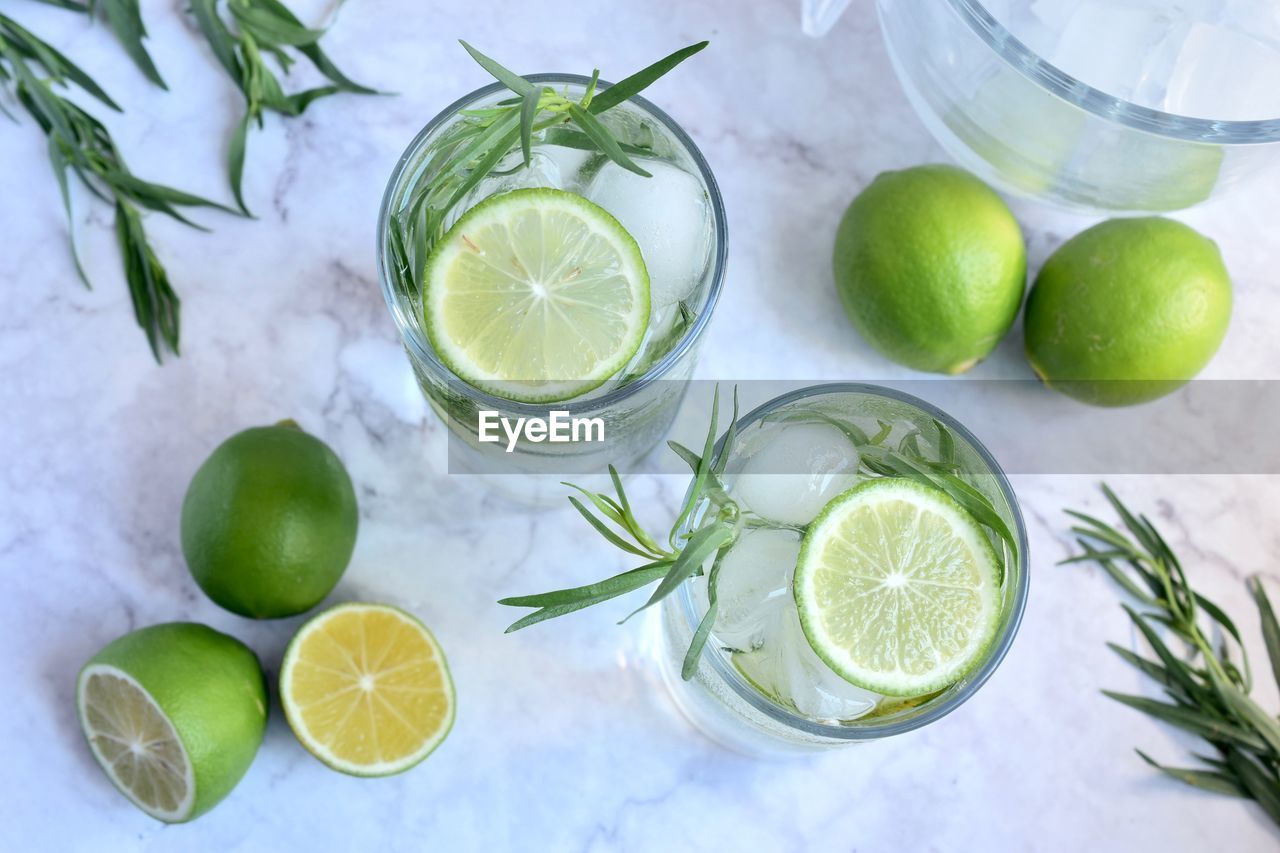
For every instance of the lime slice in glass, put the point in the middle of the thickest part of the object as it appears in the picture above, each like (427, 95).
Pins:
(536, 295)
(898, 588)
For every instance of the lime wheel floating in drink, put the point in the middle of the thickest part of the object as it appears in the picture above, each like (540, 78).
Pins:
(898, 588)
(536, 295)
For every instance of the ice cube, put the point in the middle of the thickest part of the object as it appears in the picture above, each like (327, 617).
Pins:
(793, 476)
(1225, 75)
(511, 174)
(754, 582)
(785, 668)
(1108, 45)
(575, 167)
(669, 217)
(810, 685)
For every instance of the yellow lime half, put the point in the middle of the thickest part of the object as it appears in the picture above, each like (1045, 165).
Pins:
(366, 689)
(536, 295)
(898, 588)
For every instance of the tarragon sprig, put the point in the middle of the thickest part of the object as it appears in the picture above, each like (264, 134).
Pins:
(1209, 688)
(80, 144)
(475, 146)
(125, 19)
(682, 557)
(265, 28)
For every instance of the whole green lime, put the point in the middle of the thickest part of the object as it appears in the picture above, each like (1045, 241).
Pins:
(174, 714)
(269, 522)
(1127, 311)
(930, 266)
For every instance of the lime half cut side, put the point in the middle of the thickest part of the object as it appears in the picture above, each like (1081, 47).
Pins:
(536, 295)
(135, 743)
(367, 690)
(898, 588)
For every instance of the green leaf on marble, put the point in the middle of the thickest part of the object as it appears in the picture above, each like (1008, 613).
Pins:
(1210, 691)
(264, 28)
(79, 144)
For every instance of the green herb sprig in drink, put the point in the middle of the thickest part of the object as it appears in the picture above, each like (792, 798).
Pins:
(1207, 689)
(472, 149)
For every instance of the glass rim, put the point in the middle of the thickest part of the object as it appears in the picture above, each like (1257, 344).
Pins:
(1101, 104)
(421, 347)
(999, 647)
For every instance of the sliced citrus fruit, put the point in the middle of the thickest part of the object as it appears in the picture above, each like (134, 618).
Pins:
(174, 714)
(536, 295)
(366, 689)
(898, 588)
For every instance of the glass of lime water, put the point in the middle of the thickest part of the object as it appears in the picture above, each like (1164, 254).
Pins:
(676, 219)
(855, 602)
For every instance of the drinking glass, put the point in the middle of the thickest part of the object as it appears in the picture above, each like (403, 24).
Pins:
(636, 407)
(729, 707)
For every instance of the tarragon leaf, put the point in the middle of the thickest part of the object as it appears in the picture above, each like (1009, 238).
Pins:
(316, 54)
(1196, 722)
(1207, 780)
(614, 586)
(125, 19)
(600, 135)
(528, 112)
(220, 40)
(641, 80)
(1270, 627)
(708, 621)
(701, 545)
(268, 26)
(510, 79)
(616, 540)
(1262, 786)
(154, 301)
(54, 62)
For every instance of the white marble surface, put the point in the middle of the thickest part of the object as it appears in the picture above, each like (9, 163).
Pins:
(564, 739)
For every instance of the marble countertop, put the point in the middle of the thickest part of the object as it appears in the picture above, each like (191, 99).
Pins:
(564, 739)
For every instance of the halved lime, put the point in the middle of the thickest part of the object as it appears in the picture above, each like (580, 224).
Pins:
(536, 295)
(174, 714)
(366, 689)
(898, 588)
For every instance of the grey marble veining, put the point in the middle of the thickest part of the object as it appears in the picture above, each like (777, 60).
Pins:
(564, 739)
